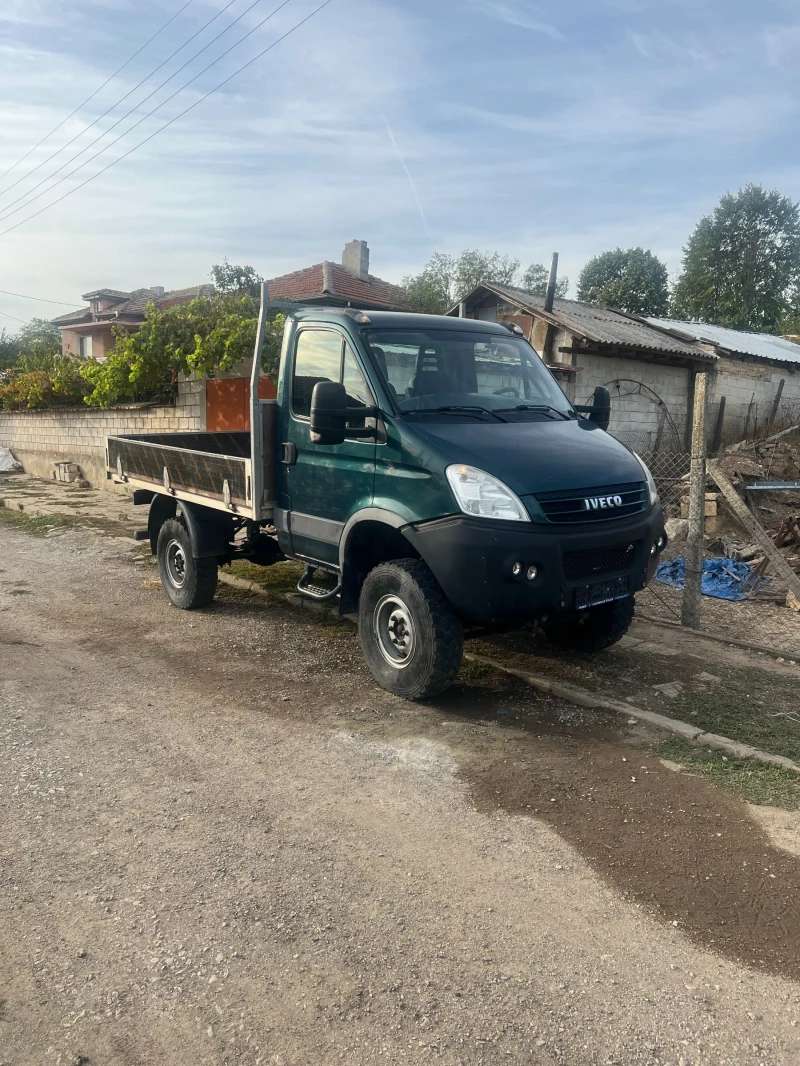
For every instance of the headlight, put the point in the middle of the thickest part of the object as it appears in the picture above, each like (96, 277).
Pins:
(478, 493)
(651, 485)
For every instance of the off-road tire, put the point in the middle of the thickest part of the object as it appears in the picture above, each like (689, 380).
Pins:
(593, 629)
(438, 643)
(200, 575)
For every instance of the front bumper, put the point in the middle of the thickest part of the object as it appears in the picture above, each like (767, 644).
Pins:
(472, 560)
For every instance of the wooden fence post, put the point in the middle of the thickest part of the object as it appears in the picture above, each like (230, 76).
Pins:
(716, 443)
(693, 578)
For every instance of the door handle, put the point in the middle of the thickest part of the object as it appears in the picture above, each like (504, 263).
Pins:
(289, 454)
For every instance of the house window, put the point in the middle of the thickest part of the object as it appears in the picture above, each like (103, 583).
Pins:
(85, 347)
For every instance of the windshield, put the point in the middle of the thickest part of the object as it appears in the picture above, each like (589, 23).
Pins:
(435, 369)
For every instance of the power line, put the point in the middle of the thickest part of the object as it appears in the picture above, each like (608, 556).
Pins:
(38, 299)
(108, 111)
(6, 212)
(119, 70)
(191, 107)
(13, 318)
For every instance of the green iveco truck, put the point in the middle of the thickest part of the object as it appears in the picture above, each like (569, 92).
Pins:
(431, 476)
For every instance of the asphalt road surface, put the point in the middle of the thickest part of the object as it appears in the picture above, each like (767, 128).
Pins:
(220, 843)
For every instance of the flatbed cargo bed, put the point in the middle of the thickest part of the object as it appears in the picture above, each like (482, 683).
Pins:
(210, 468)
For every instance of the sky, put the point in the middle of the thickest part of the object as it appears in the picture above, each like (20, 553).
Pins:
(420, 126)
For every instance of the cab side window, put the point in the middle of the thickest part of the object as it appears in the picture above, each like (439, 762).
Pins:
(318, 358)
(323, 355)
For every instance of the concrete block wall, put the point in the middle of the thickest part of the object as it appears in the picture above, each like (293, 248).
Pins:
(39, 439)
(740, 381)
(635, 418)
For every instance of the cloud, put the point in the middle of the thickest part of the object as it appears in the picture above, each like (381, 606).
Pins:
(529, 18)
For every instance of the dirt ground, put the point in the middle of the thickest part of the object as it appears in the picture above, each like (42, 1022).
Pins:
(221, 844)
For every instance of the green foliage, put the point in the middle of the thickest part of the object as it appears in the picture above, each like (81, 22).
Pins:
(742, 263)
(790, 323)
(628, 279)
(536, 277)
(235, 280)
(446, 279)
(199, 337)
(62, 385)
(9, 349)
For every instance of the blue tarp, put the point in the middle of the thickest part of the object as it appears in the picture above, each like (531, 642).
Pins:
(722, 578)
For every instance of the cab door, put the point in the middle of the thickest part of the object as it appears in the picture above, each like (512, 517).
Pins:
(324, 484)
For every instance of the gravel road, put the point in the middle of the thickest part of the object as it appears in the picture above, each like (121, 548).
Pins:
(221, 845)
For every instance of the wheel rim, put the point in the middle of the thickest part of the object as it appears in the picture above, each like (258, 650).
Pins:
(176, 564)
(394, 631)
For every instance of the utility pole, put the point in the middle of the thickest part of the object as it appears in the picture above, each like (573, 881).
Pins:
(693, 579)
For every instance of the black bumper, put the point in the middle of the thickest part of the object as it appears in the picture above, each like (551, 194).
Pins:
(473, 560)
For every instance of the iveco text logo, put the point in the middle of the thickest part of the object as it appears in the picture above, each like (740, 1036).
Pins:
(600, 503)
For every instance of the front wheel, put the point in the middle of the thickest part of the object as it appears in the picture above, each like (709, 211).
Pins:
(411, 638)
(592, 629)
(189, 582)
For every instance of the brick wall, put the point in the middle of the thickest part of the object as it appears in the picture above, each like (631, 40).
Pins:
(41, 438)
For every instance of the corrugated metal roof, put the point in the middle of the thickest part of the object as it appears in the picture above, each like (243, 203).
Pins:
(760, 345)
(606, 326)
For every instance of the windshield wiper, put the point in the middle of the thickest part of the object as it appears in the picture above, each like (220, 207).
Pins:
(470, 409)
(543, 407)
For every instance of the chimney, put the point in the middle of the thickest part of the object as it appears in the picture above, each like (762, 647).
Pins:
(355, 259)
(157, 290)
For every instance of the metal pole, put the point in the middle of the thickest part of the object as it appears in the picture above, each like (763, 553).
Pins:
(256, 432)
(690, 610)
(550, 294)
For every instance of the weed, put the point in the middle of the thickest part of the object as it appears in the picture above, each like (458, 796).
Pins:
(39, 525)
(19, 592)
(754, 781)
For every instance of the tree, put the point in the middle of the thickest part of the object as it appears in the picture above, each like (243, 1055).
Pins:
(536, 277)
(742, 263)
(39, 344)
(9, 349)
(629, 279)
(231, 279)
(446, 279)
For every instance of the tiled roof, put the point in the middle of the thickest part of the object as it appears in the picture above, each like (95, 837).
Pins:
(81, 315)
(134, 304)
(332, 280)
(606, 326)
(759, 345)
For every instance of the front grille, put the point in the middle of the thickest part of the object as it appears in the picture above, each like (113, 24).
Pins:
(601, 562)
(585, 505)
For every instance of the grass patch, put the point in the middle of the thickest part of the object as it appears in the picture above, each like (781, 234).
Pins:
(19, 592)
(767, 786)
(747, 705)
(38, 525)
(278, 578)
(472, 672)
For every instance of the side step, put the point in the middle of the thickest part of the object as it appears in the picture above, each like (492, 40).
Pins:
(306, 586)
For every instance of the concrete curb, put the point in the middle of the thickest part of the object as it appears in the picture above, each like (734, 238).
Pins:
(583, 698)
(774, 653)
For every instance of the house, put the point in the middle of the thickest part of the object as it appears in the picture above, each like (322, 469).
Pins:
(649, 370)
(344, 284)
(88, 331)
(756, 379)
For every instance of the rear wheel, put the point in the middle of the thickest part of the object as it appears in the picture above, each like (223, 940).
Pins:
(189, 582)
(411, 638)
(592, 629)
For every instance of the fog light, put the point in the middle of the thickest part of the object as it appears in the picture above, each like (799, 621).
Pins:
(662, 541)
(532, 572)
(516, 569)
(654, 549)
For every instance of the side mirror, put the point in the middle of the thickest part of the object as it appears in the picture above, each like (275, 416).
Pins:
(600, 413)
(328, 413)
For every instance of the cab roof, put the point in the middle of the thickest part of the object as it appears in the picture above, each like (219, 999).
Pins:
(399, 320)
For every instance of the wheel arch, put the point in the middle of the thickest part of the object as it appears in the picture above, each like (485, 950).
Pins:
(210, 531)
(373, 535)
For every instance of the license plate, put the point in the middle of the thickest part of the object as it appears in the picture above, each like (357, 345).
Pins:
(616, 588)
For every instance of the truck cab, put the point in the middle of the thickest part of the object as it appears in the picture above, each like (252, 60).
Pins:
(436, 482)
